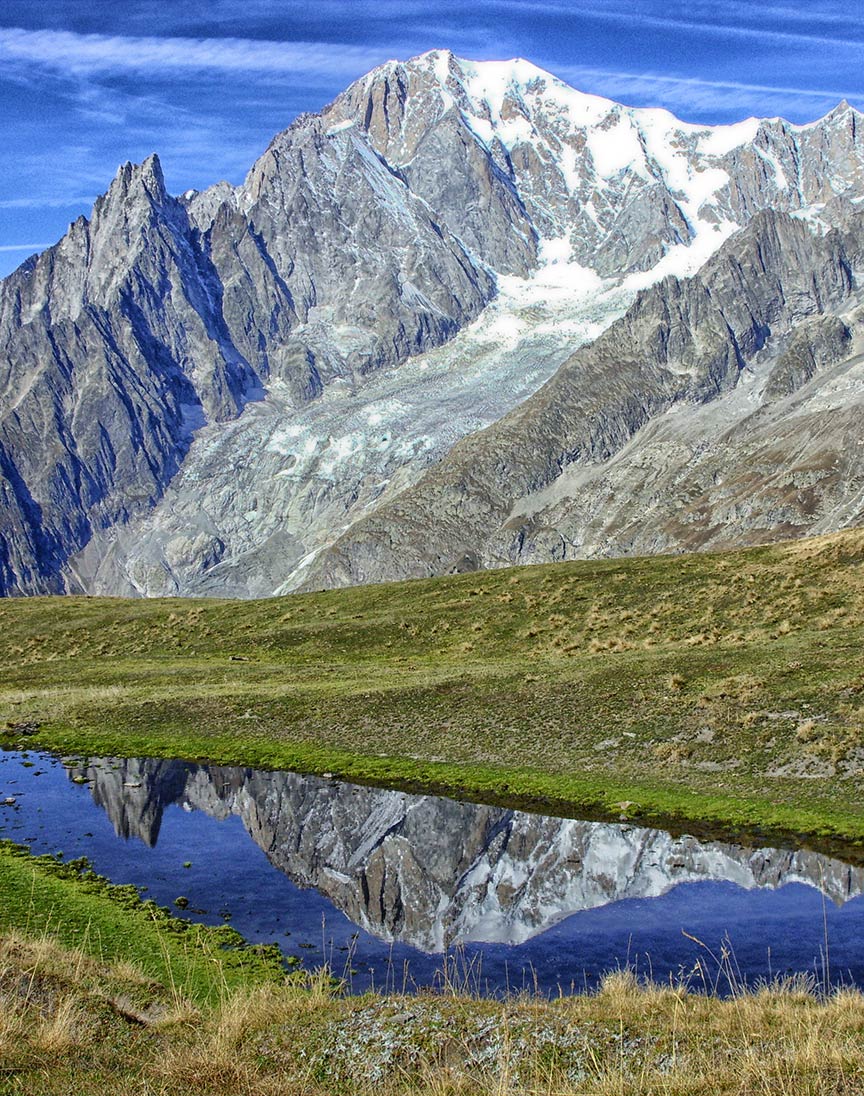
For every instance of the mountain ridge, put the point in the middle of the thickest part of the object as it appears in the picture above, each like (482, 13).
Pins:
(168, 340)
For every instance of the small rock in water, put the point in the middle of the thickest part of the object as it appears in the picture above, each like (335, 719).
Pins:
(9, 801)
(181, 902)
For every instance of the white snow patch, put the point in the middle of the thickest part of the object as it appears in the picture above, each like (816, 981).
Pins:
(554, 251)
(684, 260)
(812, 216)
(505, 329)
(779, 174)
(720, 140)
(616, 148)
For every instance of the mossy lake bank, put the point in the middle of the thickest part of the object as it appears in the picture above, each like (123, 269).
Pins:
(45, 897)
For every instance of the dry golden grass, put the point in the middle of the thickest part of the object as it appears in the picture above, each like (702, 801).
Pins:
(62, 1030)
(627, 1039)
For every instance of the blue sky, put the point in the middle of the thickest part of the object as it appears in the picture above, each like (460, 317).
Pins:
(87, 84)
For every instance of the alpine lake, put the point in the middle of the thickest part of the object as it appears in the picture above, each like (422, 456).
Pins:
(395, 891)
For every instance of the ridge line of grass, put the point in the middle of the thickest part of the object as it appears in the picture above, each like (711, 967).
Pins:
(743, 820)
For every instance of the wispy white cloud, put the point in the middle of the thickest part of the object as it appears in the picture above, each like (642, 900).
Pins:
(45, 203)
(689, 95)
(81, 54)
(23, 247)
(736, 20)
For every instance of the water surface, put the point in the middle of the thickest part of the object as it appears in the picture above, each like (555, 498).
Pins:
(383, 885)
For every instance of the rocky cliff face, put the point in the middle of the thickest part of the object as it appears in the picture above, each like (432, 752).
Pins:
(205, 394)
(160, 315)
(112, 351)
(433, 872)
(701, 417)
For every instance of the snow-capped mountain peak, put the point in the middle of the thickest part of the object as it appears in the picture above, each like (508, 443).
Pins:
(395, 272)
(623, 185)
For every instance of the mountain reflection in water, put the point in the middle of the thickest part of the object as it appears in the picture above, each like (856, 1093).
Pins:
(432, 872)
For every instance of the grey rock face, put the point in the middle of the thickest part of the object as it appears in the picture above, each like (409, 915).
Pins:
(112, 351)
(415, 122)
(161, 365)
(159, 315)
(578, 469)
(432, 872)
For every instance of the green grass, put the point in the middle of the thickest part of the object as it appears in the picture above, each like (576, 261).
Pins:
(43, 897)
(716, 690)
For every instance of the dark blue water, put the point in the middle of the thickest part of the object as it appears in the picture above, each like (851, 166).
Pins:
(171, 815)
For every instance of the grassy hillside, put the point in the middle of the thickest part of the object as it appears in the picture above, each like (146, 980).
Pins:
(724, 688)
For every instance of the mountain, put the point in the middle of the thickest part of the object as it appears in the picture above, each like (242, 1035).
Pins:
(432, 872)
(314, 377)
(720, 410)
